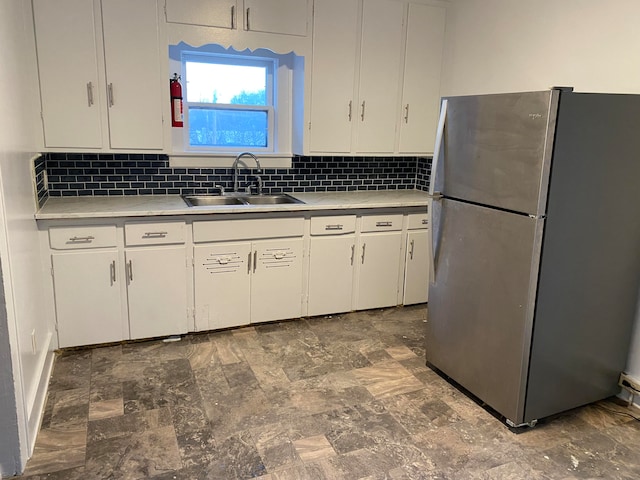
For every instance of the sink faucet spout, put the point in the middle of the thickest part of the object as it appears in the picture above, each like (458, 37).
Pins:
(236, 166)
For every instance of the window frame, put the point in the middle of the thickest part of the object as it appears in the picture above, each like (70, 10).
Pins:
(271, 65)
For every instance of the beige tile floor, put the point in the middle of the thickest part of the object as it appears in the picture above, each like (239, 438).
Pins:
(347, 397)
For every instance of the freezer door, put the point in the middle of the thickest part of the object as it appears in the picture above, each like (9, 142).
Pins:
(497, 149)
(481, 304)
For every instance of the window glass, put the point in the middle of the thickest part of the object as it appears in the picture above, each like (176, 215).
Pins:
(224, 83)
(228, 102)
(227, 128)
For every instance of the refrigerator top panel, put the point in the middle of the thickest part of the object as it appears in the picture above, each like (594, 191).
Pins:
(497, 149)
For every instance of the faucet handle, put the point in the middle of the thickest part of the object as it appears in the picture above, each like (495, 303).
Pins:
(219, 187)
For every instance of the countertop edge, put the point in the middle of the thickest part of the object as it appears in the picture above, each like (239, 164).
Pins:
(173, 205)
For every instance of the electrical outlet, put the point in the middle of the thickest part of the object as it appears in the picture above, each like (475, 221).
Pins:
(629, 383)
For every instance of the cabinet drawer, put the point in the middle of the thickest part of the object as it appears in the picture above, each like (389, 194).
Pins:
(154, 233)
(381, 223)
(94, 236)
(333, 225)
(222, 230)
(417, 220)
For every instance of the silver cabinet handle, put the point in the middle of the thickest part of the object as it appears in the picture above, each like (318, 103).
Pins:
(130, 271)
(364, 246)
(353, 253)
(110, 94)
(406, 113)
(255, 260)
(384, 224)
(249, 264)
(112, 271)
(155, 234)
(350, 109)
(90, 93)
(248, 24)
(362, 114)
(87, 239)
(411, 250)
(333, 227)
(425, 221)
(233, 17)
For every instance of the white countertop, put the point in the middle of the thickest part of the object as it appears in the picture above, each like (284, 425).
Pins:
(152, 205)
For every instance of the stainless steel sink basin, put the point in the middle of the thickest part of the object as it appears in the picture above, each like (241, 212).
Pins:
(234, 199)
(211, 200)
(270, 199)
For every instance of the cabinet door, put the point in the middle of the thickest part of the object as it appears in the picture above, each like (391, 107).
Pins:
(331, 274)
(380, 66)
(87, 297)
(276, 16)
(68, 68)
(335, 41)
(416, 274)
(157, 291)
(132, 59)
(421, 89)
(210, 13)
(276, 286)
(222, 285)
(379, 256)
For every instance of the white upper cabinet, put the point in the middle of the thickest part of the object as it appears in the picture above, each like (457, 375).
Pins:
(132, 58)
(422, 68)
(392, 51)
(288, 17)
(335, 49)
(380, 65)
(69, 78)
(355, 42)
(100, 76)
(209, 13)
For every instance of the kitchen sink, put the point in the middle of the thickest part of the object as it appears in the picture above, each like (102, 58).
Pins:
(232, 199)
(211, 200)
(270, 199)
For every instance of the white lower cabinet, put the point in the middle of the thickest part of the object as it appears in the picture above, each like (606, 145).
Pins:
(87, 297)
(132, 280)
(379, 261)
(222, 280)
(237, 283)
(156, 291)
(331, 264)
(276, 280)
(416, 274)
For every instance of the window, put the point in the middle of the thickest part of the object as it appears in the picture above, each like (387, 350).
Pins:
(234, 101)
(229, 102)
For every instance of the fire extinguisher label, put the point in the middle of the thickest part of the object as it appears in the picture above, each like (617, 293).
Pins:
(177, 110)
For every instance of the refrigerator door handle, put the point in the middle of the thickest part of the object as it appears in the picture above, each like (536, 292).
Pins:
(433, 195)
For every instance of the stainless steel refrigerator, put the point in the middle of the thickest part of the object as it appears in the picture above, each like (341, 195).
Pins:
(536, 247)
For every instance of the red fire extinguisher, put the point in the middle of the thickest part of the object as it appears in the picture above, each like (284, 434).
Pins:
(176, 101)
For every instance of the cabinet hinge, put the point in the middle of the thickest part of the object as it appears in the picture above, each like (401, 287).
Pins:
(52, 271)
(309, 125)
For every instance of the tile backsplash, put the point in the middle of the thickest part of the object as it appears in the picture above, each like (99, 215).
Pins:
(77, 174)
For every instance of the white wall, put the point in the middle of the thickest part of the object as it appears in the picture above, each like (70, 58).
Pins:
(517, 45)
(496, 46)
(26, 320)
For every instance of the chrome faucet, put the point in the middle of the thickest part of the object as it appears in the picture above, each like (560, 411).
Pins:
(235, 171)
